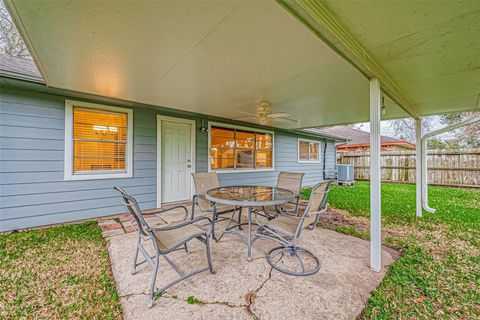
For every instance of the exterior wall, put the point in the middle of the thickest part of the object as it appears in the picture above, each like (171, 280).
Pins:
(32, 187)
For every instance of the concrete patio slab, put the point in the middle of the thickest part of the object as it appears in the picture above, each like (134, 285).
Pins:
(248, 290)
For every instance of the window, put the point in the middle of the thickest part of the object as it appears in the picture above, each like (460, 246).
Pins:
(98, 141)
(240, 149)
(308, 151)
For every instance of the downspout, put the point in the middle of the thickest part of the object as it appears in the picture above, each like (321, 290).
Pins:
(325, 159)
(335, 145)
(424, 156)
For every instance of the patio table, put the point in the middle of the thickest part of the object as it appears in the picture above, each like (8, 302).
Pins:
(249, 197)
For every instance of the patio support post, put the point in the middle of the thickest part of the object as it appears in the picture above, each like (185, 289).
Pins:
(375, 176)
(418, 166)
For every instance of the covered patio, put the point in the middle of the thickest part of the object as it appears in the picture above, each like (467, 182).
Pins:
(246, 290)
(316, 63)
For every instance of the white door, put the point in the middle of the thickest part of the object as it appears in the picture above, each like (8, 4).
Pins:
(176, 161)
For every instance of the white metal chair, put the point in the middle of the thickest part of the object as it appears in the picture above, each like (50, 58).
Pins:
(165, 240)
(287, 228)
(203, 182)
(290, 181)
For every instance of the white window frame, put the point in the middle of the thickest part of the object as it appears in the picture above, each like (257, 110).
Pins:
(229, 126)
(319, 151)
(110, 174)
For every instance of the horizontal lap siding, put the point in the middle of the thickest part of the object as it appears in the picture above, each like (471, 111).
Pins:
(286, 159)
(32, 187)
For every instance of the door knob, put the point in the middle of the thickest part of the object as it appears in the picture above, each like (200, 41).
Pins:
(189, 166)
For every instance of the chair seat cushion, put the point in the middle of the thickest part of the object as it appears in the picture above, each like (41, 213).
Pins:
(283, 224)
(168, 239)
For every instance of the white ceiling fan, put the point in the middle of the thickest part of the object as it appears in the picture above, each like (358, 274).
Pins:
(265, 115)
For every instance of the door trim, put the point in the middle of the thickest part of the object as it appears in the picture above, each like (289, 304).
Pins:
(192, 124)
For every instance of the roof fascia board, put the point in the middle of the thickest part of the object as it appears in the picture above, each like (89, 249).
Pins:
(20, 76)
(12, 10)
(322, 22)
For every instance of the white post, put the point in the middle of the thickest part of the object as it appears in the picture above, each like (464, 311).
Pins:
(375, 177)
(419, 165)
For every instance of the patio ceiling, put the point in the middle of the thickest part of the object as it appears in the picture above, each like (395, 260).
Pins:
(430, 49)
(222, 57)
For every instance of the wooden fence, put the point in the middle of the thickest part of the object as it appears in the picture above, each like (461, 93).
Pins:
(448, 168)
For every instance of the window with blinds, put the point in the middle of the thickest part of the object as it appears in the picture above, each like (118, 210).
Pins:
(308, 151)
(98, 141)
(232, 148)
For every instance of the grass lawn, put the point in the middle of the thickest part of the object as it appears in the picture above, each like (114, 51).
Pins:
(57, 273)
(438, 275)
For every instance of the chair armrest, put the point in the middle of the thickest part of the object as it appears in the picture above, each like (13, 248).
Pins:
(327, 206)
(183, 224)
(161, 210)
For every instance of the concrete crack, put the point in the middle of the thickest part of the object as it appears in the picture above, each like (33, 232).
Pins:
(224, 303)
(252, 296)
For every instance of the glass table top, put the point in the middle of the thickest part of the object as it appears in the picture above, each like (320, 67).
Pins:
(250, 195)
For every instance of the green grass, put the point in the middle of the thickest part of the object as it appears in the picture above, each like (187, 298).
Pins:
(57, 273)
(438, 274)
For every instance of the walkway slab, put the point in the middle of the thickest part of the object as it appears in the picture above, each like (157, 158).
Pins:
(245, 290)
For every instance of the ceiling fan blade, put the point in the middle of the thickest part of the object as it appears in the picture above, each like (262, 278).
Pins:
(278, 115)
(284, 120)
(250, 114)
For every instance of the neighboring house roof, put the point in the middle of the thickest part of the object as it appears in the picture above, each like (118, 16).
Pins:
(18, 68)
(323, 135)
(357, 137)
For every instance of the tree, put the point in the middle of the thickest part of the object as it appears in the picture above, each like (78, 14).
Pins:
(465, 137)
(10, 41)
(405, 128)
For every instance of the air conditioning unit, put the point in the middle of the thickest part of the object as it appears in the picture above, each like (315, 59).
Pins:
(345, 173)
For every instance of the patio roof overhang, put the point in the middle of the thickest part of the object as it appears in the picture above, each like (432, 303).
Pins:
(325, 63)
(312, 60)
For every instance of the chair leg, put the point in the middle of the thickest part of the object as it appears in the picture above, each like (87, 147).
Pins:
(134, 270)
(154, 279)
(193, 209)
(209, 255)
(214, 217)
(240, 218)
(292, 251)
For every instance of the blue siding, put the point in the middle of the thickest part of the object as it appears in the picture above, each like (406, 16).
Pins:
(32, 187)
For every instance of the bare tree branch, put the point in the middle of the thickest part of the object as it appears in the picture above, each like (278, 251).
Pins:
(10, 41)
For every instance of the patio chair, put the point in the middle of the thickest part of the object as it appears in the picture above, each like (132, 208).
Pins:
(203, 182)
(165, 240)
(287, 228)
(291, 181)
